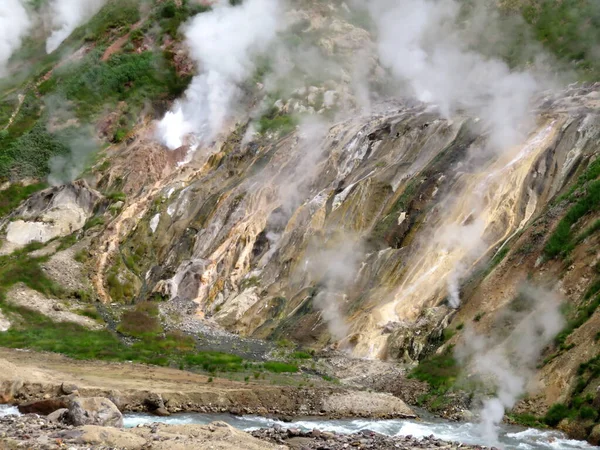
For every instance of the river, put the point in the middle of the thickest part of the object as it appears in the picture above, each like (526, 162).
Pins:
(511, 437)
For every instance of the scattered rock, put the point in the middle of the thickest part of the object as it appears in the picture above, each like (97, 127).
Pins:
(58, 416)
(365, 439)
(68, 389)
(161, 412)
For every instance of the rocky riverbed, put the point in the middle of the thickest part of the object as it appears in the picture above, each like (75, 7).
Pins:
(36, 432)
(366, 439)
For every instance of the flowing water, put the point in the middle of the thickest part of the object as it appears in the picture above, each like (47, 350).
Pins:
(511, 437)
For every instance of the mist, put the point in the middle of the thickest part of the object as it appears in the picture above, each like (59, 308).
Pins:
(80, 139)
(428, 46)
(224, 44)
(66, 15)
(508, 361)
(15, 23)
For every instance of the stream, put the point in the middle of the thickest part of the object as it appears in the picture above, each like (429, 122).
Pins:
(511, 437)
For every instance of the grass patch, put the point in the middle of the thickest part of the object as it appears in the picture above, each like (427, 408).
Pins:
(582, 316)
(215, 362)
(141, 322)
(280, 367)
(439, 371)
(527, 420)
(273, 121)
(561, 241)
(93, 222)
(301, 355)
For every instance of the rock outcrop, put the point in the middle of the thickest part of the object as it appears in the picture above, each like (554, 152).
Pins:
(54, 212)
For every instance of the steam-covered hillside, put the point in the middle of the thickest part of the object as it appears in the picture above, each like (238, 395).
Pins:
(400, 180)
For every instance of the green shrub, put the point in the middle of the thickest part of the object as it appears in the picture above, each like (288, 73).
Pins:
(587, 412)
(28, 155)
(555, 414)
(439, 371)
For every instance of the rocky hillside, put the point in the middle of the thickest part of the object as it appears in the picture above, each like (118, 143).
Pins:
(308, 184)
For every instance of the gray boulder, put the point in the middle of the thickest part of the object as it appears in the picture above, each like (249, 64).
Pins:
(94, 411)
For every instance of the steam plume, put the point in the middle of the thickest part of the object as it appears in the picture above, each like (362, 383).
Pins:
(14, 25)
(511, 363)
(423, 44)
(66, 15)
(223, 43)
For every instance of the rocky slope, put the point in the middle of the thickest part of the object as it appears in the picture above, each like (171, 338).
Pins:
(379, 226)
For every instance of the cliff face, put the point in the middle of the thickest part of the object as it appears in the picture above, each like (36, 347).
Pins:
(366, 232)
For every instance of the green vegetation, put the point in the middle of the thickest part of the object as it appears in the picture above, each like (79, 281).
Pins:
(116, 197)
(280, 367)
(247, 283)
(170, 17)
(570, 29)
(301, 355)
(274, 122)
(27, 155)
(20, 267)
(555, 414)
(526, 420)
(93, 222)
(116, 14)
(141, 321)
(12, 197)
(439, 371)
(561, 242)
(132, 77)
(583, 313)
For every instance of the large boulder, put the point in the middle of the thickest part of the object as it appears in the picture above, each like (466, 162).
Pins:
(94, 411)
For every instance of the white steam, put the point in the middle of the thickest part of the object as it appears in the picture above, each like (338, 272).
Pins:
(424, 44)
(66, 16)
(511, 363)
(14, 25)
(335, 268)
(223, 43)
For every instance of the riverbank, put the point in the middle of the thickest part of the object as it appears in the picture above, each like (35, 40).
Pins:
(30, 376)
